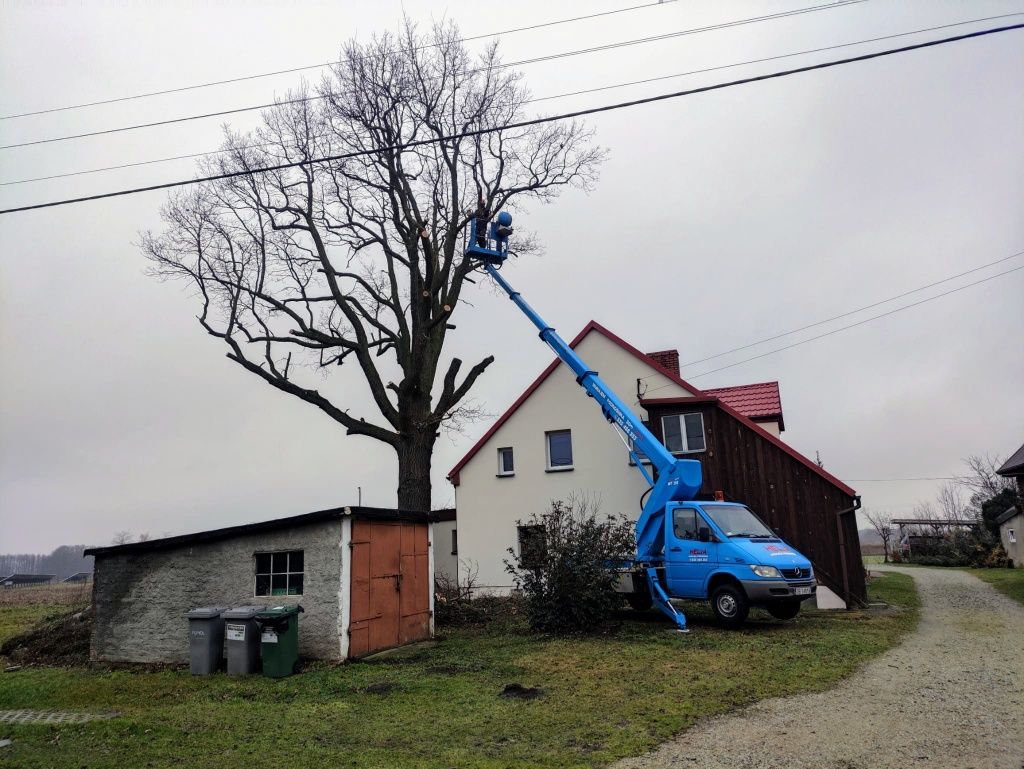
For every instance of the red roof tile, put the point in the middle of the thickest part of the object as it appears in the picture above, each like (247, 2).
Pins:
(760, 400)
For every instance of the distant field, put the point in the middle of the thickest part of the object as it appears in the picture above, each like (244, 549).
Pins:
(605, 696)
(65, 595)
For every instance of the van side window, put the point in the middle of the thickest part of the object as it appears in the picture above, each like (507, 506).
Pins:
(684, 521)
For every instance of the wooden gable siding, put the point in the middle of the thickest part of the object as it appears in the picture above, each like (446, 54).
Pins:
(790, 497)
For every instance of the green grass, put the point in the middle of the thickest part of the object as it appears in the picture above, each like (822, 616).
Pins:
(20, 617)
(1007, 581)
(606, 696)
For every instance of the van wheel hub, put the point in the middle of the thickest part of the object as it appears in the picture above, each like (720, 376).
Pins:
(726, 605)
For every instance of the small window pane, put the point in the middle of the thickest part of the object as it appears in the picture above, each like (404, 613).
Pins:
(280, 562)
(263, 563)
(455, 541)
(560, 448)
(279, 584)
(295, 561)
(694, 432)
(506, 462)
(294, 584)
(262, 584)
(685, 522)
(672, 432)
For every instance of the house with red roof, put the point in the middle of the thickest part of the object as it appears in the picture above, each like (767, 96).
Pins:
(552, 443)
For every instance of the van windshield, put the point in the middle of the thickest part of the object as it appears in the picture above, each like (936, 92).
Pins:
(737, 521)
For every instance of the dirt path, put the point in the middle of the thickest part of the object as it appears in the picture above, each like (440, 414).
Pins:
(951, 695)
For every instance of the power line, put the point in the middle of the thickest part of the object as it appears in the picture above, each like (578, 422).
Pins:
(850, 312)
(318, 66)
(504, 65)
(895, 480)
(539, 99)
(846, 328)
(523, 123)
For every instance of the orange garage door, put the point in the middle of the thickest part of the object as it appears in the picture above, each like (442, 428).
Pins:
(390, 587)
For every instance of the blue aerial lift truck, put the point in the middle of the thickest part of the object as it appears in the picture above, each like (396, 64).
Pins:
(715, 551)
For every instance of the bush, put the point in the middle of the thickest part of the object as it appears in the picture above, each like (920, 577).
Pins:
(459, 604)
(564, 566)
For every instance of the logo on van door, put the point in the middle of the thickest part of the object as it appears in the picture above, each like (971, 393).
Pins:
(698, 554)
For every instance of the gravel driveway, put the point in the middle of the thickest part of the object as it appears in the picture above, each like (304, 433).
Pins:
(951, 695)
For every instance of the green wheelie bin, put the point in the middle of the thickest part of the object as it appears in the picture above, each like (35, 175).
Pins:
(279, 639)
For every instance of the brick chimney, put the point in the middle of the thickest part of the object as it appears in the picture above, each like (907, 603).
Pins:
(667, 359)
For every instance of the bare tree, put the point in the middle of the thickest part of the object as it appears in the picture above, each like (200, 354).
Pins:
(122, 538)
(143, 537)
(360, 258)
(951, 502)
(881, 522)
(981, 480)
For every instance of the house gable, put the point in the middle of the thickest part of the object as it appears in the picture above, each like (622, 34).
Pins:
(659, 377)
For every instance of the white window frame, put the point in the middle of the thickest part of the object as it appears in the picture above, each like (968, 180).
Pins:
(1012, 536)
(682, 431)
(288, 573)
(502, 472)
(547, 452)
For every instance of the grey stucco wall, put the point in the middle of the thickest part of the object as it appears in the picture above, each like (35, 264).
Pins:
(140, 599)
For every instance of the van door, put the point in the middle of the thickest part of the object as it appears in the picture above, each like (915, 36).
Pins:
(688, 560)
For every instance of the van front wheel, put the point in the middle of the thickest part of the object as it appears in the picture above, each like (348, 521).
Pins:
(730, 605)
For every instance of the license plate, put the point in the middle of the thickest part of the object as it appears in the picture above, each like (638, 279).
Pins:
(802, 591)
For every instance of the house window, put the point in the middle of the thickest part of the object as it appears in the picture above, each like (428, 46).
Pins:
(559, 449)
(455, 542)
(506, 462)
(1013, 537)
(683, 433)
(532, 546)
(279, 573)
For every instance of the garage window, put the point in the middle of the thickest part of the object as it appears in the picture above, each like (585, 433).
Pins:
(279, 573)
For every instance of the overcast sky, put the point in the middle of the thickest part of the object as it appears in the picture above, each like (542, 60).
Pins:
(719, 219)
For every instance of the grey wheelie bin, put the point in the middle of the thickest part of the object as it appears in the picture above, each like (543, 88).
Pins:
(243, 637)
(205, 639)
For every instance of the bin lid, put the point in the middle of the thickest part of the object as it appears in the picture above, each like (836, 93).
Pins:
(205, 612)
(243, 612)
(276, 612)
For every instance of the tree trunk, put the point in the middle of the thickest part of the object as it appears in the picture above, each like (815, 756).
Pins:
(414, 455)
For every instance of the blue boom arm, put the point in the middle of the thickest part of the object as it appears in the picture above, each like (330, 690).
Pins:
(677, 479)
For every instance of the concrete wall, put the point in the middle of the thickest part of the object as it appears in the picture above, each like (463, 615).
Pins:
(489, 506)
(139, 599)
(1014, 550)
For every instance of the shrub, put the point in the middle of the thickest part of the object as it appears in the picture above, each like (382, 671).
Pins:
(564, 566)
(460, 604)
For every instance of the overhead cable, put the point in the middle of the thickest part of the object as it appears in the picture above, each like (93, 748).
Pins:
(321, 65)
(303, 99)
(847, 328)
(523, 123)
(849, 312)
(538, 99)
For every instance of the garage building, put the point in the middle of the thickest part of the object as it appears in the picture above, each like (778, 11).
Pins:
(364, 577)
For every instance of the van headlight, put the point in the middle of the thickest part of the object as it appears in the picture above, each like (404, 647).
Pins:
(766, 571)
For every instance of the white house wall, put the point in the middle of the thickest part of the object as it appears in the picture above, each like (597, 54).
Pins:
(489, 506)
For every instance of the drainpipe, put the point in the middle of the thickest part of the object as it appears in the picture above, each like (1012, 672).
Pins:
(842, 547)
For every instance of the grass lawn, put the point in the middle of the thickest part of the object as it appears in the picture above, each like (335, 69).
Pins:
(1008, 581)
(606, 696)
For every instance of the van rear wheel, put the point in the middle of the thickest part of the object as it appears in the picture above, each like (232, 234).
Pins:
(640, 601)
(784, 609)
(730, 605)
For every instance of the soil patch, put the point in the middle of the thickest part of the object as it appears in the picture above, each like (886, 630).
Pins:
(61, 641)
(520, 692)
(384, 687)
